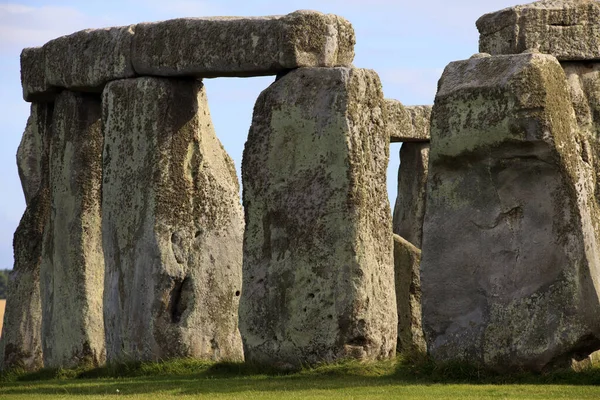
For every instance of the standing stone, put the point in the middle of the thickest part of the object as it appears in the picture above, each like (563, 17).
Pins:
(21, 342)
(407, 259)
(72, 270)
(234, 46)
(318, 269)
(172, 225)
(409, 210)
(566, 29)
(510, 262)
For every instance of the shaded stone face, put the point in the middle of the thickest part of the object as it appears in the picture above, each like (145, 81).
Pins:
(318, 268)
(234, 46)
(409, 210)
(407, 124)
(72, 269)
(21, 342)
(33, 76)
(566, 29)
(87, 60)
(172, 225)
(509, 271)
(407, 259)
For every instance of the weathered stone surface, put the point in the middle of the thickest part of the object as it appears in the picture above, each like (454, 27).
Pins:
(21, 342)
(509, 272)
(318, 268)
(88, 59)
(566, 29)
(407, 124)
(172, 225)
(33, 76)
(407, 259)
(234, 46)
(409, 210)
(72, 269)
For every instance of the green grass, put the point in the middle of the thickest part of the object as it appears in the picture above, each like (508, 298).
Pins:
(348, 380)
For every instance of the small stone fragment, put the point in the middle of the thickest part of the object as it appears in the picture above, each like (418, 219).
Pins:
(172, 225)
(89, 59)
(237, 46)
(566, 29)
(318, 267)
(407, 259)
(409, 210)
(72, 269)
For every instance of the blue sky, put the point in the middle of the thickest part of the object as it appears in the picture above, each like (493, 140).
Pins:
(407, 42)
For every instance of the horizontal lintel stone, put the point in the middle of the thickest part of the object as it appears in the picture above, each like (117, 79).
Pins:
(407, 123)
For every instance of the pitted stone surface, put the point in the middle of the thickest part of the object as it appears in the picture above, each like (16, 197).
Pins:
(72, 269)
(566, 29)
(33, 76)
(172, 225)
(509, 272)
(87, 60)
(407, 259)
(407, 123)
(318, 268)
(409, 210)
(236, 46)
(21, 341)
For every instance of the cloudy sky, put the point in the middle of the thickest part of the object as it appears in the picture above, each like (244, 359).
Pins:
(407, 42)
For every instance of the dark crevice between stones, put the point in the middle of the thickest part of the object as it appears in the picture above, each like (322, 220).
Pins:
(177, 302)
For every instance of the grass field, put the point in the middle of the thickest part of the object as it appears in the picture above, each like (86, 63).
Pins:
(2, 305)
(352, 380)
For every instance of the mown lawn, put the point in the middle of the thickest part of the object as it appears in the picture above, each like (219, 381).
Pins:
(352, 380)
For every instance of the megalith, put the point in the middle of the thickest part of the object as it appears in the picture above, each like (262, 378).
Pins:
(407, 259)
(72, 268)
(509, 269)
(21, 342)
(172, 225)
(318, 281)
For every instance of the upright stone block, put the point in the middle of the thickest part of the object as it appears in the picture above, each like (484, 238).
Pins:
(318, 268)
(72, 269)
(235, 46)
(407, 259)
(172, 225)
(510, 269)
(21, 341)
(566, 29)
(89, 59)
(409, 210)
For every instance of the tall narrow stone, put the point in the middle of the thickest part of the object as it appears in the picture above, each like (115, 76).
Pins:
(172, 225)
(409, 210)
(21, 342)
(318, 268)
(510, 269)
(72, 270)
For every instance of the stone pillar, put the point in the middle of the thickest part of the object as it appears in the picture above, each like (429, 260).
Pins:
(510, 262)
(72, 269)
(318, 268)
(21, 342)
(409, 210)
(407, 259)
(172, 225)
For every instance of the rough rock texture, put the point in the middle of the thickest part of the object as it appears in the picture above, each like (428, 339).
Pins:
(172, 225)
(72, 269)
(234, 46)
(21, 342)
(33, 76)
(566, 29)
(509, 272)
(407, 259)
(407, 124)
(318, 268)
(409, 210)
(88, 59)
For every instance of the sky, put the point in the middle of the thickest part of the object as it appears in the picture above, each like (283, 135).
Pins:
(407, 42)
